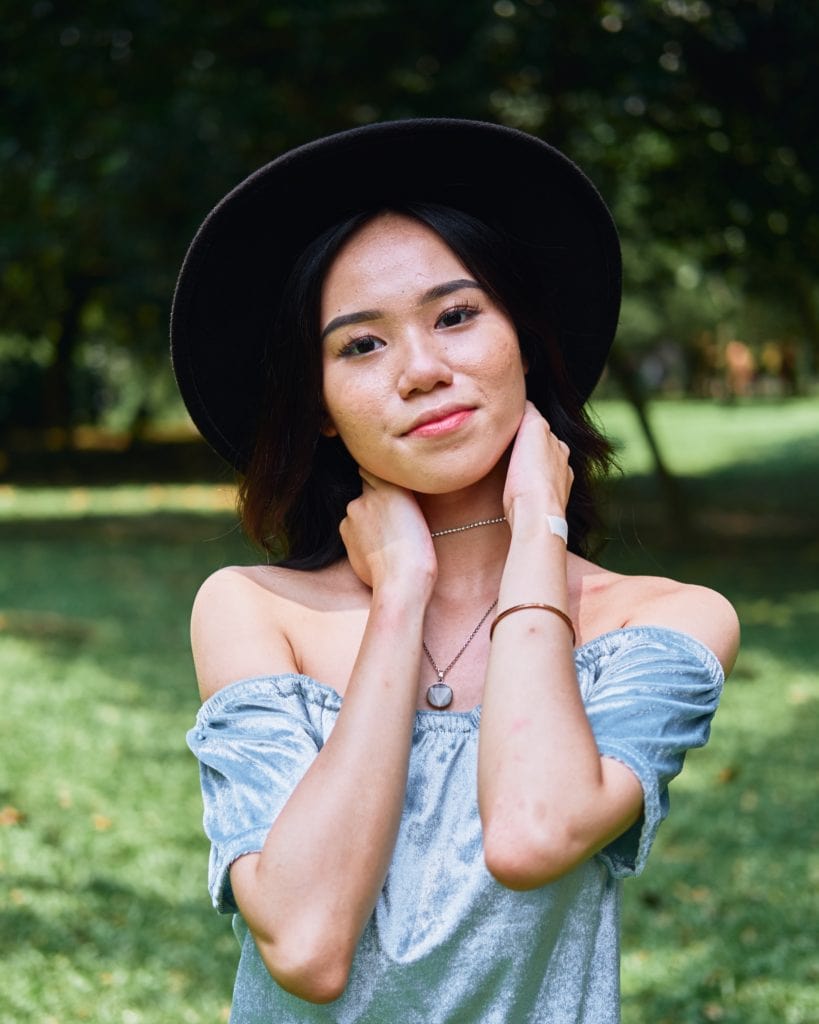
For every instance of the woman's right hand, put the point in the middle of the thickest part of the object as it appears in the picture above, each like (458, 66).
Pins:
(387, 538)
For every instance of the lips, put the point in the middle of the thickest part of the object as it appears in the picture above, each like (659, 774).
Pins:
(439, 421)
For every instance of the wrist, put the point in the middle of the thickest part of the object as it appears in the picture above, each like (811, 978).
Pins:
(539, 523)
(402, 596)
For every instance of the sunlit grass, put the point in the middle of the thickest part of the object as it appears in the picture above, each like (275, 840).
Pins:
(700, 437)
(721, 925)
(104, 915)
(101, 853)
(30, 502)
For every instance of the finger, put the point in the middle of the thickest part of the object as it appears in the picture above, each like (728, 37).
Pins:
(532, 411)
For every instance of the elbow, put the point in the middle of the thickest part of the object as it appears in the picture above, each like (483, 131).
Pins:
(317, 976)
(523, 859)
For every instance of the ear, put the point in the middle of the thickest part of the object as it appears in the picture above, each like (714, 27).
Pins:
(328, 428)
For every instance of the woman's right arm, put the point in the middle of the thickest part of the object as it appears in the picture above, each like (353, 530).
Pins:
(308, 894)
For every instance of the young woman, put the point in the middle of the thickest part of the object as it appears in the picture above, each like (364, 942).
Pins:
(434, 736)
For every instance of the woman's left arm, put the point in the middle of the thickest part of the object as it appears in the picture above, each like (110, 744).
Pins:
(548, 800)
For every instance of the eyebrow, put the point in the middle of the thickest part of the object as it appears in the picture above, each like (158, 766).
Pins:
(438, 291)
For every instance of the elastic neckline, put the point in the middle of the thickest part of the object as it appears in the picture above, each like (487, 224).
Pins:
(318, 693)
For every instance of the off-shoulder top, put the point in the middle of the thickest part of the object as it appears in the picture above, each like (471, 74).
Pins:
(447, 943)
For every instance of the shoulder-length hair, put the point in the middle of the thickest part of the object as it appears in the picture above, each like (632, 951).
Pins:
(298, 483)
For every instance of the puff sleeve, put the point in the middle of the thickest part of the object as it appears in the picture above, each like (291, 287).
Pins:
(650, 697)
(254, 740)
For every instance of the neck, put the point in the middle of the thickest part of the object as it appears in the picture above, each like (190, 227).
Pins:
(470, 562)
(478, 503)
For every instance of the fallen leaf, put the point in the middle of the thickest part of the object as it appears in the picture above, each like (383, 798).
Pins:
(11, 815)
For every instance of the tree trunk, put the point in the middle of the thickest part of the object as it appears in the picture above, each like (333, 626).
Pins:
(671, 492)
(56, 408)
(810, 318)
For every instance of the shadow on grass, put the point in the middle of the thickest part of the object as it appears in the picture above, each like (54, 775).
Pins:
(725, 906)
(753, 528)
(720, 927)
(124, 950)
(776, 490)
(121, 926)
(115, 590)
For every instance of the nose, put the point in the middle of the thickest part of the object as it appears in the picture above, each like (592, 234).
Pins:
(424, 366)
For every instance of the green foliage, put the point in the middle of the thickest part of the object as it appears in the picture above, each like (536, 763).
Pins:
(22, 369)
(124, 125)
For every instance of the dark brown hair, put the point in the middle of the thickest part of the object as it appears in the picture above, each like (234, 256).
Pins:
(298, 482)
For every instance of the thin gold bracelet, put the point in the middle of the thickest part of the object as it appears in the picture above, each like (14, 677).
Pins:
(543, 607)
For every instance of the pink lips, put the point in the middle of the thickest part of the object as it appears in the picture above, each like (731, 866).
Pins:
(444, 424)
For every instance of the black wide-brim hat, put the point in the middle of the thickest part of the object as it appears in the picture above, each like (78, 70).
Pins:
(231, 281)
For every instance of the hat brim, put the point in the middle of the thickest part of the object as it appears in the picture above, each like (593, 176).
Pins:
(229, 286)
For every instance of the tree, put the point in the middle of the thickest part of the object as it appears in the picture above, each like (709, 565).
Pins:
(123, 124)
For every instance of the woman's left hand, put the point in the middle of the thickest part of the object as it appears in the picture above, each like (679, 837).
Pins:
(539, 477)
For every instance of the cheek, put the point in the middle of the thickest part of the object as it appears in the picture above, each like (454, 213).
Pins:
(336, 409)
(354, 417)
(510, 389)
(352, 435)
(506, 378)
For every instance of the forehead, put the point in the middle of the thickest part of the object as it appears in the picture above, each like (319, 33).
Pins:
(390, 251)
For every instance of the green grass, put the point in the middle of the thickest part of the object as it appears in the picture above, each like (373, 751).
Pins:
(721, 927)
(104, 915)
(701, 437)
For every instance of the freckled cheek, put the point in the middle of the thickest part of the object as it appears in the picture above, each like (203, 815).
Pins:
(365, 443)
(358, 419)
(504, 380)
(356, 433)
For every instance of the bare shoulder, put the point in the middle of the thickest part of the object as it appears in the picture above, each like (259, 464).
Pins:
(243, 619)
(606, 600)
(698, 611)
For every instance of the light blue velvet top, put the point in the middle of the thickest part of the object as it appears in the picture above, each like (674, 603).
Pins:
(446, 943)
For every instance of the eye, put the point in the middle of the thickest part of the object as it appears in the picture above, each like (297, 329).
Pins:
(361, 346)
(455, 316)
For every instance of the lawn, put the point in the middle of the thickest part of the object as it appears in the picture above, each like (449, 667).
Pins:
(104, 913)
(722, 925)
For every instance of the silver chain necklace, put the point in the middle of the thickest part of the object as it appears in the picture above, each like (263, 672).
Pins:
(468, 526)
(439, 695)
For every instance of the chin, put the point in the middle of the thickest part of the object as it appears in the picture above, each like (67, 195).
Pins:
(456, 467)
(465, 475)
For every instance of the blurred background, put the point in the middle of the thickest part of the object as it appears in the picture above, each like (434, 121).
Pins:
(121, 125)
